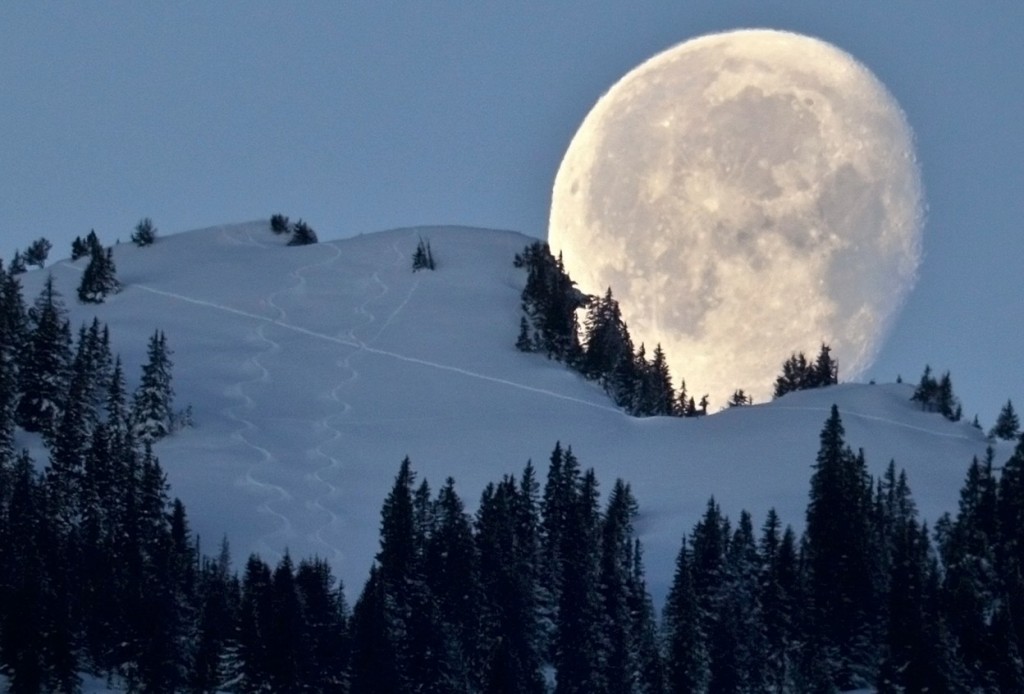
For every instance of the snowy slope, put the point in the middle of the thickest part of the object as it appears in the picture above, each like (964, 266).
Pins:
(313, 370)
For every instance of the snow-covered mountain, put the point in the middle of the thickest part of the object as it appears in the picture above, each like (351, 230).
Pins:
(312, 371)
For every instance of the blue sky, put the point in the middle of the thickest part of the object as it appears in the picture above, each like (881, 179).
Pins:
(363, 116)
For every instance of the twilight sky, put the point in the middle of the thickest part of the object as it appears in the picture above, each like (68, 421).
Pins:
(364, 116)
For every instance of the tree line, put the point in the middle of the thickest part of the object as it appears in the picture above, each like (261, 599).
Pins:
(542, 589)
(602, 349)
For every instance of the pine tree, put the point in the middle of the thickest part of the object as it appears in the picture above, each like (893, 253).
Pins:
(778, 596)
(65, 474)
(302, 235)
(23, 625)
(524, 342)
(826, 369)
(926, 389)
(145, 233)
(423, 649)
(13, 334)
(918, 654)
(946, 403)
(279, 224)
(686, 657)
(374, 667)
(423, 258)
(326, 627)
(795, 375)
(578, 639)
(152, 416)
(606, 341)
(550, 300)
(937, 395)
(99, 278)
(115, 403)
(740, 399)
(1010, 555)
(563, 480)
(1007, 425)
(17, 266)
(79, 249)
(37, 252)
(45, 364)
(658, 397)
(92, 243)
(618, 660)
(799, 374)
(218, 603)
(839, 559)
(256, 615)
(738, 634)
(452, 574)
(286, 646)
(649, 674)
(511, 638)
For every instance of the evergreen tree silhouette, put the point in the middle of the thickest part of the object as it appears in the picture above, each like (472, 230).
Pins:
(1007, 425)
(145, 233)
(687, 667)
(37, 252)
(839, 559)
(152, 416)
(45, 364)
(302, 235)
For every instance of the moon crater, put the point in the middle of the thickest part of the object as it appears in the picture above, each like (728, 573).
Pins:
(746, 195)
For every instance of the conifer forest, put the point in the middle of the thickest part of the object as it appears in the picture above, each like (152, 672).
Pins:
(541, 589)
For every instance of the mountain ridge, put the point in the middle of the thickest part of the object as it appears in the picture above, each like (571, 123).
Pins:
(313, 370)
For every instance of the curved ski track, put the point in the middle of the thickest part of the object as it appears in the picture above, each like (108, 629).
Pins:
(876, 418)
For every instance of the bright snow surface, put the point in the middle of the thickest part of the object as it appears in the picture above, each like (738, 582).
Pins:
(312, 371)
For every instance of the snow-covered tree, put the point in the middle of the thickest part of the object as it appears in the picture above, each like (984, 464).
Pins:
(99, 278)
(152, 416)
(45, 364)
(687, 665)
(12, 337)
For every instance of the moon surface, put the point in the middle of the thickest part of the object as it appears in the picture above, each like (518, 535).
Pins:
(746, 195)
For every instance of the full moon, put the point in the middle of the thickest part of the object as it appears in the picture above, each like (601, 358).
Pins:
(745, 195)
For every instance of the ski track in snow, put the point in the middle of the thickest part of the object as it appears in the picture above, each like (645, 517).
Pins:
(385, 290)
(358, 344)
(331, 423)
(876, 418)
(321, 502)
(317, 503)
(264, 456)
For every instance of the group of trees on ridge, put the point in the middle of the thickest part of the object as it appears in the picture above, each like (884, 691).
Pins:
(36, 254)
(642, 386)
(99, 279)
(602, 350)
(301, 233)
